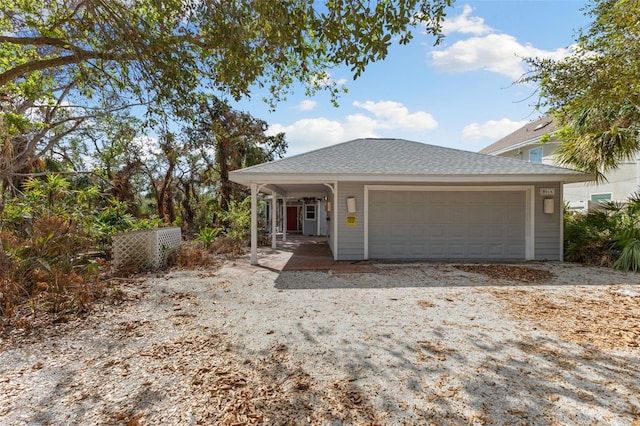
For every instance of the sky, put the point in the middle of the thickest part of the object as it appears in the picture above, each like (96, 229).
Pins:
(459, 94)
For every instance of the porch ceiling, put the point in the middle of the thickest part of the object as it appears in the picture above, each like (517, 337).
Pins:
(297, 190)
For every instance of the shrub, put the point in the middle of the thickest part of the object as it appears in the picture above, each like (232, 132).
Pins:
(609, 236)
(238, 220)
(208, 235)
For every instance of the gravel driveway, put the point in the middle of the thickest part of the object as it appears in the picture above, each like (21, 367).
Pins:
(443, 344)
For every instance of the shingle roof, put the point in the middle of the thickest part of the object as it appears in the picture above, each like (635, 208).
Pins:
(380, 157)
(530, 132)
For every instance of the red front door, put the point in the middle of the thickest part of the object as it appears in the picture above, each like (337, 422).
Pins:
(292, 218)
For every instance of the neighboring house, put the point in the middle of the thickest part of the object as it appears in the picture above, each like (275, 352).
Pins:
(525, 144)
(397, 199)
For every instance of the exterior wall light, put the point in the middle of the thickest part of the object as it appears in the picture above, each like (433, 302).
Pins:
(548, 206)
(351, 205)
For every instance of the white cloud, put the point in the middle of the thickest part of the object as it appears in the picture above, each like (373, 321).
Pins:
(307, 105)
(492, 129)
(465, 23)
(499, 53)
(394, 115)
(147, 146)
(313, 133)
(326, 80)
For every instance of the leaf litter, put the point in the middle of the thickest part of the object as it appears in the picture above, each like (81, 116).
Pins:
(150, 364)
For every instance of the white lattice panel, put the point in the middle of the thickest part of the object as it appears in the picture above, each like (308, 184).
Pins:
(146, 249)
(167, 241)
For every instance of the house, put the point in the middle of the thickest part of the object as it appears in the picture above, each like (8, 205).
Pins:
(525, 144)
(398, 199)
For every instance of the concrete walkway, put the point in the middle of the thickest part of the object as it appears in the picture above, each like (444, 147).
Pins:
(307, 253)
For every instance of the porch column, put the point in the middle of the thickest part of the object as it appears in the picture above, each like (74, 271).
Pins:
(254, 223)
(284, 218)
(274, 221)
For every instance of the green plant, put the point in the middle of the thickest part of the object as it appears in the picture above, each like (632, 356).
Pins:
(208, 235)
(629, 259)
(609, 236)
(238, 219)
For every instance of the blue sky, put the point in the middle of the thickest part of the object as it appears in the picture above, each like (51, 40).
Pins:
(459, 94)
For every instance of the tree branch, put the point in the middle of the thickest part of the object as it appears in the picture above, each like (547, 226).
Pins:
(38, 41)
(29, 67)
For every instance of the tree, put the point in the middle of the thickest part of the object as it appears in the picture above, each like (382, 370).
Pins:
(230, 140)
(595, 93)
(168, 47)
(164, 54)
(238, 140)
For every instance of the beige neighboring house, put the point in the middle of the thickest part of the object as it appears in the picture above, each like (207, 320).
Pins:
(525, 144)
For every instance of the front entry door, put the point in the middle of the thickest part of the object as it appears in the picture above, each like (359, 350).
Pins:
(292, 218)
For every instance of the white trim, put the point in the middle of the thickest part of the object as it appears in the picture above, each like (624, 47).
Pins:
(254, 224)
(315, 211)
(529, 191)
(600, 193)
(335, 220)
(366, 221)
(561, 198)
(531, 141)
(284, 218)
(321, 178)
(317, 218)
(274, 223)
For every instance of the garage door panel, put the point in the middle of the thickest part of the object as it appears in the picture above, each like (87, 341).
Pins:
(447, 224)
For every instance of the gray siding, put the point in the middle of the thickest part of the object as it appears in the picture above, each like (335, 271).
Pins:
(547, 228)
(350, 238)
(547, 233)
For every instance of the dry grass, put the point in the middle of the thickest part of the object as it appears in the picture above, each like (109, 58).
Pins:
(607, 320)
(521, 274)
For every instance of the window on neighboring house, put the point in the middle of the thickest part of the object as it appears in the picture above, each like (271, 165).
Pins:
(535, 155)
(310, 212)
(601, 198)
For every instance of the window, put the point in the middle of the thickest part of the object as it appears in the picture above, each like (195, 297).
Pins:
(535, 155)
(601, 198)
(310, 212)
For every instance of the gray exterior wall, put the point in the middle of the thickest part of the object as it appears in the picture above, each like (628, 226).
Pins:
(309, 227)
(547, 227)
(350, 238)
(548, 231)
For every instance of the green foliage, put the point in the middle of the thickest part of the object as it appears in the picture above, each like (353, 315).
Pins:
(172, 48)
(50, 235)
(609, 236)
(594, 94)
(587, 238)
(208, 235)
(238, 219)
(629, 259)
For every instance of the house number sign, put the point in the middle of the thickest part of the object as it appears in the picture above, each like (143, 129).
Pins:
(547, 191)
(352, 221)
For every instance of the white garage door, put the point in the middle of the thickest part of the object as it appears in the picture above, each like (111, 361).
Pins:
(447, 224)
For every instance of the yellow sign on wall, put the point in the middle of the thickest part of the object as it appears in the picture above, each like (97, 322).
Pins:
(352, 221)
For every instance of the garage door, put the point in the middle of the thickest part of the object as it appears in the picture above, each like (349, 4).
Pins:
(447, 224)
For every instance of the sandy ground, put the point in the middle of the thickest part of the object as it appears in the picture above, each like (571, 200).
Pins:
(534, 344)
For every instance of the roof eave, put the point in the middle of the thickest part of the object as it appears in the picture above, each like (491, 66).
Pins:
(522, 144)
(287, 178)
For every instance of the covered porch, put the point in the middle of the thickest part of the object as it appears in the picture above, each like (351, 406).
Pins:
(307, 253)
(317, 201)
